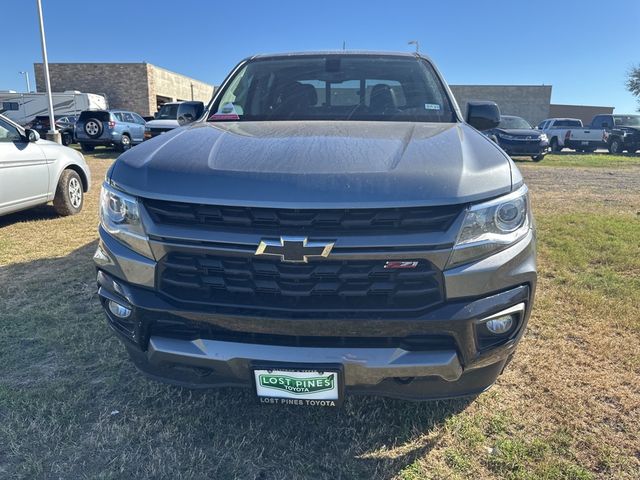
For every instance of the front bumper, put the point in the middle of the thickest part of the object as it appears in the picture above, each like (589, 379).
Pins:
(107, 139)
(516, 148)
(234, 341)
(631, 142)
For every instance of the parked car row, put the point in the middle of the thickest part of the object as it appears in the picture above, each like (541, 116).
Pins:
(617, 133)
(112, 128)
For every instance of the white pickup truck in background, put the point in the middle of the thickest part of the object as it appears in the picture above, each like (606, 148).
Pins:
(556, 130)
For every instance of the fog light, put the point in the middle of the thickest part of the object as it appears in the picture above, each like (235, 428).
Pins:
(500, 325)
(118, 310)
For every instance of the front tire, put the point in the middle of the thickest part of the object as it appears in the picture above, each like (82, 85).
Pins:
(69, 194)
(615, 146)
(555, 146)
(87, 148)
(537, 158)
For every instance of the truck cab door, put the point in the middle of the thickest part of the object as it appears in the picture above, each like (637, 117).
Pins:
(24, 172)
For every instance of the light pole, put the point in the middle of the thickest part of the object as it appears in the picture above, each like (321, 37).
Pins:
(52, 134)
(416, 43)
(26, 77)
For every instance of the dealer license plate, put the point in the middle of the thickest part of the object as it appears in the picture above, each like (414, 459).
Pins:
(318, 388)
(584, 143)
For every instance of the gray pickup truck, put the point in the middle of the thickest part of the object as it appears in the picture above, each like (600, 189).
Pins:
(327, 225)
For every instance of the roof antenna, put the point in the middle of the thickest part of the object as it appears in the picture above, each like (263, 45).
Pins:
(344, 45)
(416, 43)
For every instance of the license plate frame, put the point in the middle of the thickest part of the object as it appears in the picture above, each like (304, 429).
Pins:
(278, 395)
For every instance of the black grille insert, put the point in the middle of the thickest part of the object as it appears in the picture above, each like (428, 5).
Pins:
(299, 221)
(322, 285)
(186, 330)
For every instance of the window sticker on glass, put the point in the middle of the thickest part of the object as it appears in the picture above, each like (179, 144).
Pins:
(431, 106)
(226, 112)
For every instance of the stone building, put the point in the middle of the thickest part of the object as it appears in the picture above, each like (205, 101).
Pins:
(140, 87)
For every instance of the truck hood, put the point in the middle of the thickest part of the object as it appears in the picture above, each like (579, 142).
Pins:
(163, 123)
(520, 132)
(317, 164)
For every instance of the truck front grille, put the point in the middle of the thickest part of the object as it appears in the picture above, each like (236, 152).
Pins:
(159, 130)
(322, 285)
(303, 221)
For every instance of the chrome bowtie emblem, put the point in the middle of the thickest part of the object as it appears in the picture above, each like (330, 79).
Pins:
(294, 249)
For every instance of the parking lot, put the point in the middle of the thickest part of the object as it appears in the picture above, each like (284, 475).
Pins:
(73, 406)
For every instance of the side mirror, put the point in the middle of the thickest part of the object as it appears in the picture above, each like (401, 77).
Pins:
(189, 112)
(32, 135)
(483, 115)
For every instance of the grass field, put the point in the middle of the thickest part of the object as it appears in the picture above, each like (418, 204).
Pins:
(595, 160)
(568, 407)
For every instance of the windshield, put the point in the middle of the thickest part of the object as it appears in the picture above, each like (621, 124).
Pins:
(627, 120)
(568, 123)
(334, 87)
(167, 112)
(513, 122)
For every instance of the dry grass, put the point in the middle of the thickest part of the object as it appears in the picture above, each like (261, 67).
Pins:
(567, 407)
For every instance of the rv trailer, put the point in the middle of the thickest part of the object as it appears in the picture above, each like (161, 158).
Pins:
(22, 108)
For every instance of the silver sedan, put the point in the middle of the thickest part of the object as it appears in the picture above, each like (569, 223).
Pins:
(35, 171)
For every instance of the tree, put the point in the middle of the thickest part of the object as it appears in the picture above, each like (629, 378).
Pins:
(633, 82)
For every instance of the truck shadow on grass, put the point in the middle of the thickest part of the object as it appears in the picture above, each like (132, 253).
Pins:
(72, 405)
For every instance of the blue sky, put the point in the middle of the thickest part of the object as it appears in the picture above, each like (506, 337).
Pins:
(582, 47)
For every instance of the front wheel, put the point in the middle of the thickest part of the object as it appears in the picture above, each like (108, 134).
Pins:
(555, 146)
(537, 158)
(615, 146)
(69, 194)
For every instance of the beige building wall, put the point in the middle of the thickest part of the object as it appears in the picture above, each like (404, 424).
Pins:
(127, 86)
(530, 102)
(175, 87)
(583, 112)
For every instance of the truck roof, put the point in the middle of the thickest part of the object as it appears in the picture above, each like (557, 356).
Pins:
(340, 53)
(559, 118)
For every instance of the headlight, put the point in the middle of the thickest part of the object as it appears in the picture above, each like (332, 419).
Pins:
(543, 137)
(492, 226)
(120, 217)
